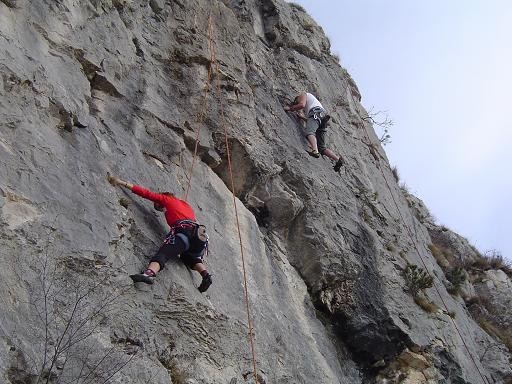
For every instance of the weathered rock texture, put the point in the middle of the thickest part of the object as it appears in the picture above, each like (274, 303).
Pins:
(96, 86)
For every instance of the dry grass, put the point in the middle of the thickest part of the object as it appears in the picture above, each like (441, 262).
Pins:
(479, 304)
(308, 26)
(426, 305)
(177, 376)
(390, 247)
(439, 256)
(501, 334)
(492, 260)
(454, 291)
(482, 310)
(444, 257)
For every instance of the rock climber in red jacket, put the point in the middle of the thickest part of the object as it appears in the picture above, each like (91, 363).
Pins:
(186, 237)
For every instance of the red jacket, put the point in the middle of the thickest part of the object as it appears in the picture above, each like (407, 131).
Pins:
(175, 209)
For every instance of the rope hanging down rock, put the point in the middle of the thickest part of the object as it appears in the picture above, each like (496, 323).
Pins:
(202, 113)
(200, 117)
(230, 168)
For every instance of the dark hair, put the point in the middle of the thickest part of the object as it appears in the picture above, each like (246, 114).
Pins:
(158, 207)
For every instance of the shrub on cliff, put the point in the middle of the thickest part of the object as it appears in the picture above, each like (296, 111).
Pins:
(416, 279)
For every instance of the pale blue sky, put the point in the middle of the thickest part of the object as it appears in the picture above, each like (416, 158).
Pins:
(443, 72)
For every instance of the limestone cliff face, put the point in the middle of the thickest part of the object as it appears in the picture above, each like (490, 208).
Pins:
(96, 86)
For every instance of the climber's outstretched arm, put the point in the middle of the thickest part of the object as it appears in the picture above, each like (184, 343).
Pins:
(116, 181)
(137, 189)
(298, 103)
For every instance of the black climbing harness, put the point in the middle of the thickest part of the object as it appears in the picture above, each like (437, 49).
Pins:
(317, 113)
(192, 234)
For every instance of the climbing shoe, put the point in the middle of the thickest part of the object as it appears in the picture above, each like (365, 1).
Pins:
(338, 165)
(205, 284)
(315, 154)
(324, 121)
(148, 276)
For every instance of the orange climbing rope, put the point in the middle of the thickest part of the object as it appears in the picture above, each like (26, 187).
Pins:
(202, 113)
(214, 64)
(230, 168)
(484, 378)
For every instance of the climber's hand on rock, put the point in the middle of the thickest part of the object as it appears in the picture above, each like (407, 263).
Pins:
(115, 181)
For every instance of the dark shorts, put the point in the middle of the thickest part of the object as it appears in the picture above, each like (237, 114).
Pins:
(312, 128)
(174, 246)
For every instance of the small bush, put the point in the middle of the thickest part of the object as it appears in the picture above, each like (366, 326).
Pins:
(124, 202)
(416, 279)
(457, 276)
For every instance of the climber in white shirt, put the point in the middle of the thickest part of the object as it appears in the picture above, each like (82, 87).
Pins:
(312, 111)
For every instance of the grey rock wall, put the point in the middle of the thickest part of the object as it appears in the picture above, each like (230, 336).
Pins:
(97, 86)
